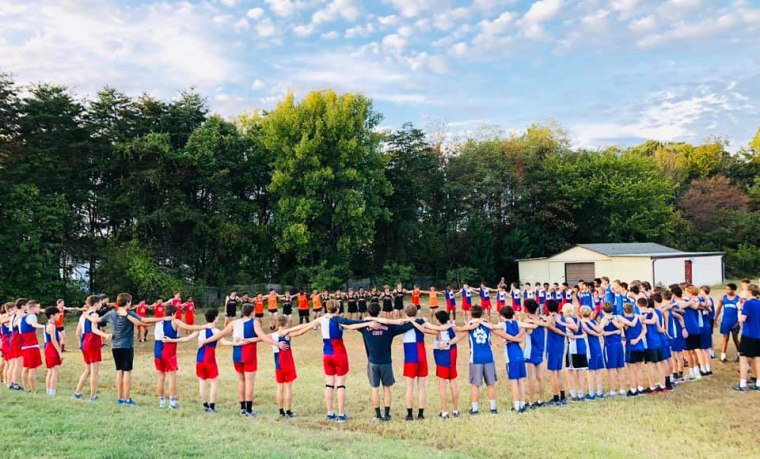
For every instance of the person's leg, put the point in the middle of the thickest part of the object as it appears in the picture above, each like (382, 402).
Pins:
(387, 397)
(735, 337)
(341, 393)
(241, 391)
(250, 379)
(422, 392)
(127, 381)
(82, 379)
(18, 369)
(474, 395)
(531, 370)
(442, 395)
(48, 374)
(409, 394)
(94, 378)
(329, 391)
(375, 397)
(54, 381)
(278, 397)
(288, 397)
(743, 370)
(160, 382)
(454, 395)
(515, 390)
(32, 376)
(120, 384)
(202, 390)
(172, 379)
(213, 391)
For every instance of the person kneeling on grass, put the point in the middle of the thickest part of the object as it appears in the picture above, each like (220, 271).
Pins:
(53, 350)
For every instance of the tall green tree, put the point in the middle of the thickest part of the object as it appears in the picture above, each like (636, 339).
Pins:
(328, 181)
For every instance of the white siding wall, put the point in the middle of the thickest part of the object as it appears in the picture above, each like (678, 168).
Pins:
(630, 268)
(707, 270)
(704, 270)
(670, 271)
(534, 271)
(578, 255)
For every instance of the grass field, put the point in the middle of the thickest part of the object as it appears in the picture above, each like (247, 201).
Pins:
(699, 419)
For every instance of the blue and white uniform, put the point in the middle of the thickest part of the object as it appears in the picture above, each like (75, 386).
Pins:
(555, 346)
(614, 356)
(595, 355)
(730, 320)
(513, 353)
(535, 346)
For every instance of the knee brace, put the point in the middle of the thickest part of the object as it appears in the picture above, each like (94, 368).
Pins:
(329, 386)
(341, 387)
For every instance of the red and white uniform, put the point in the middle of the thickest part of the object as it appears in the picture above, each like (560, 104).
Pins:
(177, 303)
(205, 359)
(30, 346)
(334, 358)
(284, 365)
(91, 343)
(415, 357)
(52, 357)
(165, 354)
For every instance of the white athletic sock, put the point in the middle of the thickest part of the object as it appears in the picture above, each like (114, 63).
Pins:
(522, 404)
(572, 392)
(599, 390)
(475, 406)
(493, 404)
(641, 389)
(722, 355)
(633, 389)
(661, 385)
(331, 413)
(743, 383)
(444, 413)
(516, 405)
(580, 394)
(591, 389)
(709, 368)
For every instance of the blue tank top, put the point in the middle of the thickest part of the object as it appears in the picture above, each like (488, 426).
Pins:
(730, 310)
(653, 335)
(554, 341)
(512, 351)
(632, 333)
(614, 338)
(594, 345)
(480, 345)
(579, 345)
(536, 342)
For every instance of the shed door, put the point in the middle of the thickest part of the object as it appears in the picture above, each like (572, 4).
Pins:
(687, 271)
(575, 272)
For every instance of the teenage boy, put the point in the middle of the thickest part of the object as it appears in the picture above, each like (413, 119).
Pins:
(749, 348)
(728, 313)
(534, 355)
(377, 341)
(53, 349)
(123, 322)
(90, 342)
(285, 366)
(30, 346)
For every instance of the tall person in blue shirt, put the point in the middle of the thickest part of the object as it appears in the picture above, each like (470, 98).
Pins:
(749, 348)
(513, 354)
(534, 355)
(378, 338)
(556, 334)
(577, 354)
(635, 347)
(728, 314)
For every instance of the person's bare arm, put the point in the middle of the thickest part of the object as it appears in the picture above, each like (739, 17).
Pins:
(422, 328)
(266, 338)
(361, 325)
(183, 326)
(54, 339)
(506, 336)
(185, 339)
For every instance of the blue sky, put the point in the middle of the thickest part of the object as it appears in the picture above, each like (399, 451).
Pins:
(610, 72)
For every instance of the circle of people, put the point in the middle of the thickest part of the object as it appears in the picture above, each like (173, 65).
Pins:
(643, 338)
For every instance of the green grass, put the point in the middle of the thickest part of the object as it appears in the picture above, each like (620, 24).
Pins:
(703, 419)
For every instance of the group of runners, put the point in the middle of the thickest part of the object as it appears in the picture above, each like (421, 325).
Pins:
(641, 340)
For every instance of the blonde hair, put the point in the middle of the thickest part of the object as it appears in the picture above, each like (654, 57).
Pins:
(568, 310)
(585, 311)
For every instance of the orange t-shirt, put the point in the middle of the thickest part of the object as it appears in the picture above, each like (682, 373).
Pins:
(259, 306)
(303, 301)
(433, 299)
(416, 297)
(272, 301)
(59, 322)
(316, 301)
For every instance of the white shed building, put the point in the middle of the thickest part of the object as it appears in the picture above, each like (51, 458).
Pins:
(642, 261)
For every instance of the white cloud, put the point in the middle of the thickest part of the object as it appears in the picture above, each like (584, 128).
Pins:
(405, 31)
(241, 25)
(257, 84)
(266, 28)
(644, 24)
(499, 25)
(541, 11)
(158, 47)
(229, 3)
(447, 20)
(686, 31)
(345, 9)
(394, 42)
(304, 30)
(624, 6)
(390, 20)
(284, 8)
(332, 35)
(411, 8)
(255, 13)
(360, 31)
(460, 49)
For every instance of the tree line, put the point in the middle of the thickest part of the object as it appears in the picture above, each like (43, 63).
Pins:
(150, 196)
